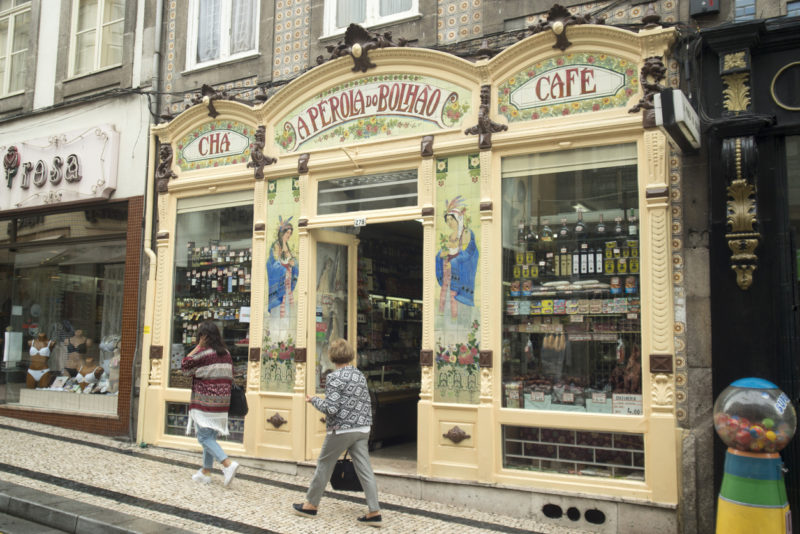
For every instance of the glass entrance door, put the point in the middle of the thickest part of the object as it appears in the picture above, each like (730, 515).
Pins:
(333, 315)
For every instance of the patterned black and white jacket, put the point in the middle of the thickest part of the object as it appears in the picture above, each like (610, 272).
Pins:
(347, 403)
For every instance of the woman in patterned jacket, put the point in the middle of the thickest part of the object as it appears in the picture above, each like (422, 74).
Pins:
(211, 368)
(348, 416)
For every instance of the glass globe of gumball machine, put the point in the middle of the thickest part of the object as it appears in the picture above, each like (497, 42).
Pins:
(756, 420)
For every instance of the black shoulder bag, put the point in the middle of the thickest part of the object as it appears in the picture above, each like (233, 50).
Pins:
(238, 406)
(344, 476)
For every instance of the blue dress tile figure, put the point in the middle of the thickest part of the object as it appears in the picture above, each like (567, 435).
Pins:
(282, 270)
(457, 261)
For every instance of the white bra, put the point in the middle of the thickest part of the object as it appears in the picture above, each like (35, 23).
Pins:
(44, 351)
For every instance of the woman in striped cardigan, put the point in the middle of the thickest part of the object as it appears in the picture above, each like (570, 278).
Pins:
(211, 368)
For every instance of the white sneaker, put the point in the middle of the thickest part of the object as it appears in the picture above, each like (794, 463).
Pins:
(201, 478)
(229, 473)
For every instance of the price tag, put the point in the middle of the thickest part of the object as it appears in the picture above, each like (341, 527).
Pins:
(359, 221)
(625, 404)
(599, 398)
(537, 396)
(568, 398)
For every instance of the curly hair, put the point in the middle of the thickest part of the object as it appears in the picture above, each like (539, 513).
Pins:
(340, 351)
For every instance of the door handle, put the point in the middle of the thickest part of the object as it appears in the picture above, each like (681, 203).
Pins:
(322, 420)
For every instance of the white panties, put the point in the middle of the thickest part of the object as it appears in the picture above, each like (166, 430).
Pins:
(38, 374)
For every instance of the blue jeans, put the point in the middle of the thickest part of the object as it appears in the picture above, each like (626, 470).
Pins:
(211, 449)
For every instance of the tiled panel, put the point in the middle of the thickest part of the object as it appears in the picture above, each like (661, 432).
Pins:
(291, 38)
(459, 20)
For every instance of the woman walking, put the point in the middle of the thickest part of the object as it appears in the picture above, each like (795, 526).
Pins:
(348, 416)
(211, 368)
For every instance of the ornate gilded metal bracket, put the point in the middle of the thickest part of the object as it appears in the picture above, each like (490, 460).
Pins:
(735, 74)
(302, 163)
(485, 126)
(164, 170)
(743, 236)
(456, 435)
(276, 420)
(357, 44)
(257, 157)
(558, 18)
(652, 73)
(207, 96)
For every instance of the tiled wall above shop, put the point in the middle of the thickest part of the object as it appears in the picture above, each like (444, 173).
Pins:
(291, 38)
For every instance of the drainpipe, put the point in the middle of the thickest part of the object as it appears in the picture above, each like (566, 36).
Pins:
(151, 198)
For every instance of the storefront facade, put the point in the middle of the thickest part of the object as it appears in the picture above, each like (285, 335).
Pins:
(494, 237)
(71, 244)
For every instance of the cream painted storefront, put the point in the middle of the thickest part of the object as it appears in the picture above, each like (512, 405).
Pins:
(536, 297)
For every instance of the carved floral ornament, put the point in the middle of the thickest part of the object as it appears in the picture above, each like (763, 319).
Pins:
(558, 19)
(739, 155)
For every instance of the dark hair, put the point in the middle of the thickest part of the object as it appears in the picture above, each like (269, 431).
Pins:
(213, 337)
(340, 351)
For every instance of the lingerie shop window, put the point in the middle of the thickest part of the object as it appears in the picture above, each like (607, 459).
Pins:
(571, 286)
(62, 318)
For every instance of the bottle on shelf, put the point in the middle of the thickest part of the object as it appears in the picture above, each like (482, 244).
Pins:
(564, 233)
(580, 227)
(546, 235)
(522, 234)
(531, 237)
(600, 230)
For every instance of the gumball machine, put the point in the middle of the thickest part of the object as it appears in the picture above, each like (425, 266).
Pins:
(756, 420)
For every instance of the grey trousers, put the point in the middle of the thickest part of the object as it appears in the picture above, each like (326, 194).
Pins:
(332, 449)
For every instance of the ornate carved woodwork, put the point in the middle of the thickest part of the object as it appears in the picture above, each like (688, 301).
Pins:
(357, 44)
(426, 146)
(164, 170)
(739, 156)
(661, 363)
(302, 163)
(254, 354)
(485, 358)
(456, 435)
(558, 19)
(207, 96)
(485, 126)
(426, 357)
(276, 420)
(652, 73)
(300, 355)
(257, 157)
(156, 352)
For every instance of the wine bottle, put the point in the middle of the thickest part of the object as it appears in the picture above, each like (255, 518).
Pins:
(580, 227)
(564, 232)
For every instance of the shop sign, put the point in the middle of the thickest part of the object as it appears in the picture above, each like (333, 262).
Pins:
(77, 165)
(566, 85)
(214, 144)
(373, 107)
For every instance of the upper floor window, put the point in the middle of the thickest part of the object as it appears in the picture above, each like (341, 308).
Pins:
(744, 10)
(15, 23)
(339, 14)
(97, 27)
(221, 30)
(792, 9)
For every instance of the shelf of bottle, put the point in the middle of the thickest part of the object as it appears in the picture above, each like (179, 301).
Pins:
(212, 265)
(602, 337)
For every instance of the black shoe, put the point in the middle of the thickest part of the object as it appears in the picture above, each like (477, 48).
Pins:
(298, 509)
(374, 521)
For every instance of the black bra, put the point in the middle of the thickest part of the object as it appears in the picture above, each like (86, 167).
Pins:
(80, 348)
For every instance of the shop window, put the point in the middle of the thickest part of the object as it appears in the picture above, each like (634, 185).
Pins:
(178, 418)
(97, 29)
(574, 452)
(15, 23)
(331, 305)
(221, 30)
(372, 192)
(213, 257)
(62, 285)
(339, 14)
(571, 321)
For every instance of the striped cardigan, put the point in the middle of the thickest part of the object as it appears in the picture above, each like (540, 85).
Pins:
(212, 376)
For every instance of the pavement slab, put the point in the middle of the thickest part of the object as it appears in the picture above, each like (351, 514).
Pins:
(115, 486)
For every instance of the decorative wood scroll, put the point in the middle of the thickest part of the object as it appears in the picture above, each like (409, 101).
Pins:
(156, 352)
(739, 157)
(653, 72)
(207, 96)
(164, 169)
(357, 44)
(557, 20)
(485, 126)
(456, 435)
(257, 157)
(276, 420)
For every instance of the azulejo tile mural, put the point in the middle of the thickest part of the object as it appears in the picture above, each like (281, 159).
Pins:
(290, 54)
(459, 20)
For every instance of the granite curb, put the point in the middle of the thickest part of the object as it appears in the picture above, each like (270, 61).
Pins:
(70, 515)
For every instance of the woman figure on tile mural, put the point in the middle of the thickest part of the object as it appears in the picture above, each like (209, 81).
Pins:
(282, 270)
(457, 262)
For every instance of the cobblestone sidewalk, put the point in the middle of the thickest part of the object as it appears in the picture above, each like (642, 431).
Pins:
(155, 484)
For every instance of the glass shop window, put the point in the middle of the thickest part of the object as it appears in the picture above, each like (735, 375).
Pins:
(371, 192)
(61, 287)
(571, 288)
(213, 255)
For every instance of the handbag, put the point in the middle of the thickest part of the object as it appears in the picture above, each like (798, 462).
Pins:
(344, 476)
(238, 406)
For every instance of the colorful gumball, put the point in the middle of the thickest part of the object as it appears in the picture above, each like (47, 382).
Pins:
(768, 423)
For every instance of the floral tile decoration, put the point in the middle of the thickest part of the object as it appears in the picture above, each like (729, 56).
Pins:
(459, 20)
(290, 49)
